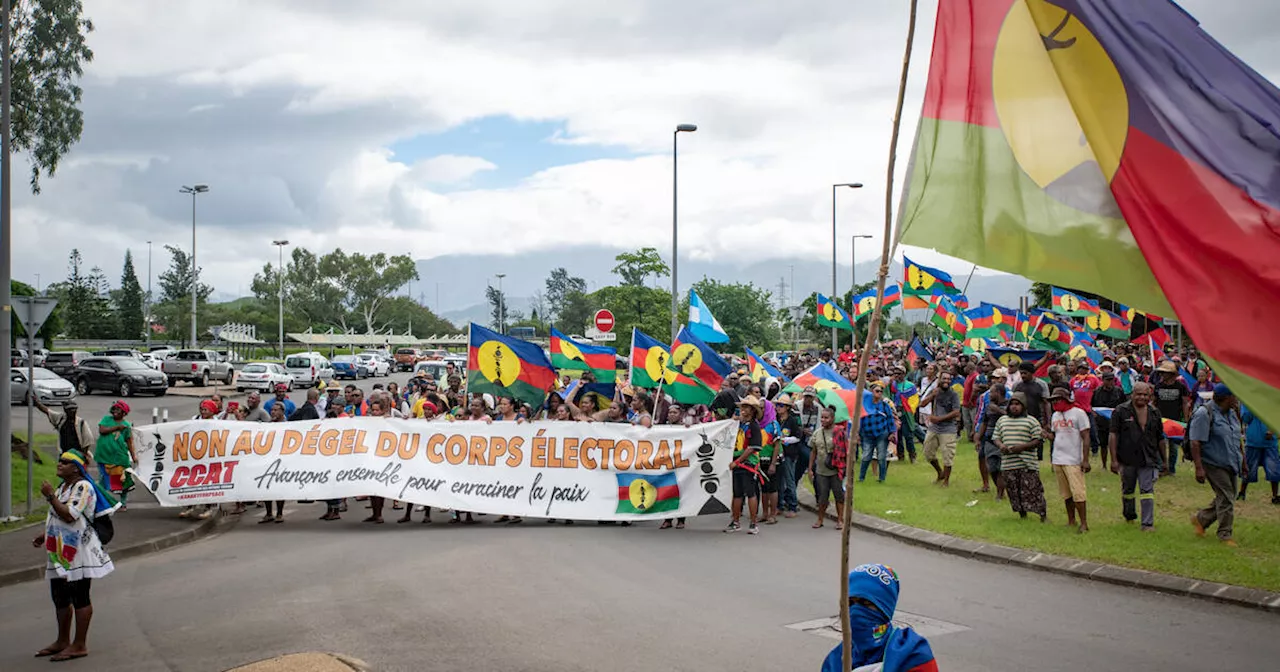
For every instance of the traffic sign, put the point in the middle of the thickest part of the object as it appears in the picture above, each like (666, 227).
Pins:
(603, 320)
(33, 311)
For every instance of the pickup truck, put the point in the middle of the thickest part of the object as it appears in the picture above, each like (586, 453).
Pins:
(198, 367)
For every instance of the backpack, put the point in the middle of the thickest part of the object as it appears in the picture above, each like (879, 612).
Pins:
(104, 528)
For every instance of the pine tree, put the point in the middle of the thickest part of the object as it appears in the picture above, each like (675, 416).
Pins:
(76, 298)
(128, 302)
(102, 323)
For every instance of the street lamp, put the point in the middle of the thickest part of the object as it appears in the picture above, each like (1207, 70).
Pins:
(280, 274)
(502, 306)
(853, 259)
(851, 185)
(146, 314)
(675, 259)
(195, 280)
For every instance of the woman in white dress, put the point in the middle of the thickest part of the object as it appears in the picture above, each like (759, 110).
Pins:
(75, 553)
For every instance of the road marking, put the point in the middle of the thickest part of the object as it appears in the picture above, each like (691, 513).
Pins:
(926, 626)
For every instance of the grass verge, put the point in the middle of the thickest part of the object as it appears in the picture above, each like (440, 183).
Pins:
(909, 497)
(46, 445)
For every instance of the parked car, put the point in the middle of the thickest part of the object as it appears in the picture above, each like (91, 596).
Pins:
(152, 361)
(308, 368)
(348, 367)
(198, 367)
(65, 363)
(434, 355)
(263, 376)
(122, 352)
(51, 389)
(406, 358)
(375, 364)
(38, 356)
(124, 376)
(459, 361)
(17, 357)
(436, 370)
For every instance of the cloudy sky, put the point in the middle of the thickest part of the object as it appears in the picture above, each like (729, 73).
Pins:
(477, 126)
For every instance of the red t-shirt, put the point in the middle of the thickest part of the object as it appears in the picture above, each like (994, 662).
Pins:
(846, 357)
(969, 399)
(1083, 387)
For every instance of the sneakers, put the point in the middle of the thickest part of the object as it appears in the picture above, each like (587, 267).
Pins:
(732, 527)
(753, 529)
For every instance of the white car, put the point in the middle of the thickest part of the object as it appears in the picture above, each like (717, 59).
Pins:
(376, 365)
(263, 376)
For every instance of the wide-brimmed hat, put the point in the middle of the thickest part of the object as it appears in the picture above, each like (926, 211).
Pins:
(752, 401)
(1167, 367)
(1106, 365)
(783, 399)
(1060, 393)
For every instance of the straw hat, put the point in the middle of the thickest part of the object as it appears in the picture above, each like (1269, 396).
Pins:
(752, 401)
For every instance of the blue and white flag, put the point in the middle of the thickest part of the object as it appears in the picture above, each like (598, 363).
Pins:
(702, 323)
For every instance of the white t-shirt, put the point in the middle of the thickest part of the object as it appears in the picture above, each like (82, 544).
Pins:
(926, 386)
(1068, 447)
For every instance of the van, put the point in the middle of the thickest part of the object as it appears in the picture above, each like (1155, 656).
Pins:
(308, 368)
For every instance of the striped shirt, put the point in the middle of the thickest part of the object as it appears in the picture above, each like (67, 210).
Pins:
(1012, 431)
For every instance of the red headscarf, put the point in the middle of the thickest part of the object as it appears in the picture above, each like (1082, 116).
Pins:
(209, 405)
(124, 408)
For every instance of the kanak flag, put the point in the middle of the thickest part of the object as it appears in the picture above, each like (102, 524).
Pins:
(1115, 147)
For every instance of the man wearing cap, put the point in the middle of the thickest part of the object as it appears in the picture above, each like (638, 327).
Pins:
(332, 398)
(1216, 438)
(900, 387)
(810, 413)
(1138, 448)
(282, 397)
(746, 463)
(876, 426)
(74, 432)
(1069, 431)
(879, 643)
(792, 438)
(1173, 400)
(1125, 376)
(1018, 436)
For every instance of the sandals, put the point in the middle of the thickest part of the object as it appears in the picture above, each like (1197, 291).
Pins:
(374, 519)
(49, 651)
(817, 525)
(267, 519)
(666, 525)
(679, 526)
(839, 526)
(66, 656)
(404, 519)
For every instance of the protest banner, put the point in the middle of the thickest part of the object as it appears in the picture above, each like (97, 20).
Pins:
(588, 471)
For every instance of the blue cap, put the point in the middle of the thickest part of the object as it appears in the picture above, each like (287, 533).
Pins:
(878, 584)
(1221, 390)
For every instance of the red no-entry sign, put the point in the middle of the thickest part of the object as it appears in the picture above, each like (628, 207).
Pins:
(604, 320)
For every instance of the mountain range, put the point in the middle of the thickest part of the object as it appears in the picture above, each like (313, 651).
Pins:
(453, 285)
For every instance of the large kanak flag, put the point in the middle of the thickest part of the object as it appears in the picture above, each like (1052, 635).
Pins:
(1115, 147)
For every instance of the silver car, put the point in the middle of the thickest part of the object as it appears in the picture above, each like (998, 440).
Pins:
(51, 389)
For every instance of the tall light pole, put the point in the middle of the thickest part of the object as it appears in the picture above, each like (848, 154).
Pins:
(280, 292)
(853, 260)
(502, 306)
(675, 229)
(834, 187)
(6, 258)
(195, 280)
(146, 312)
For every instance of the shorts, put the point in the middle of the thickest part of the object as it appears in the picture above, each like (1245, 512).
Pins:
(1268, 458)
(946, 443)
(1070, 482)
(993, 464)
(66, 593)
(745, 484)
(825, 486)
(771, 482)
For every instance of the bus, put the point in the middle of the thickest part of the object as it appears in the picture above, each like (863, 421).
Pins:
(525, 333)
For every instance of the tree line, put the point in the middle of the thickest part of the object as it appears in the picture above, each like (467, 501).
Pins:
(745, 310)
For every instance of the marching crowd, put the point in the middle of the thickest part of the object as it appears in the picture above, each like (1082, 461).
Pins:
(1117, 413)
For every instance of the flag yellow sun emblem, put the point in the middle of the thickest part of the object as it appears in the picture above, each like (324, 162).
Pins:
(498, 363)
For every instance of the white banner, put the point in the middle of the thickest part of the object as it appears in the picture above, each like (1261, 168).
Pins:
(588, 471)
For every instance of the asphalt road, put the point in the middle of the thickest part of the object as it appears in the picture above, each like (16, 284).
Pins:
(180, 407)
(538, 597)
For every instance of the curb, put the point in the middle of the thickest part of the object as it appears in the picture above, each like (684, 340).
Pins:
(292, 661)
(1252, 598)
(153, 545)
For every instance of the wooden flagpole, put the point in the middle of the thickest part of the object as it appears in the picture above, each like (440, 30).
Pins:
(865, 355)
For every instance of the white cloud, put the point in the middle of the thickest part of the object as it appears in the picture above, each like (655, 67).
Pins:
(288, 109)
